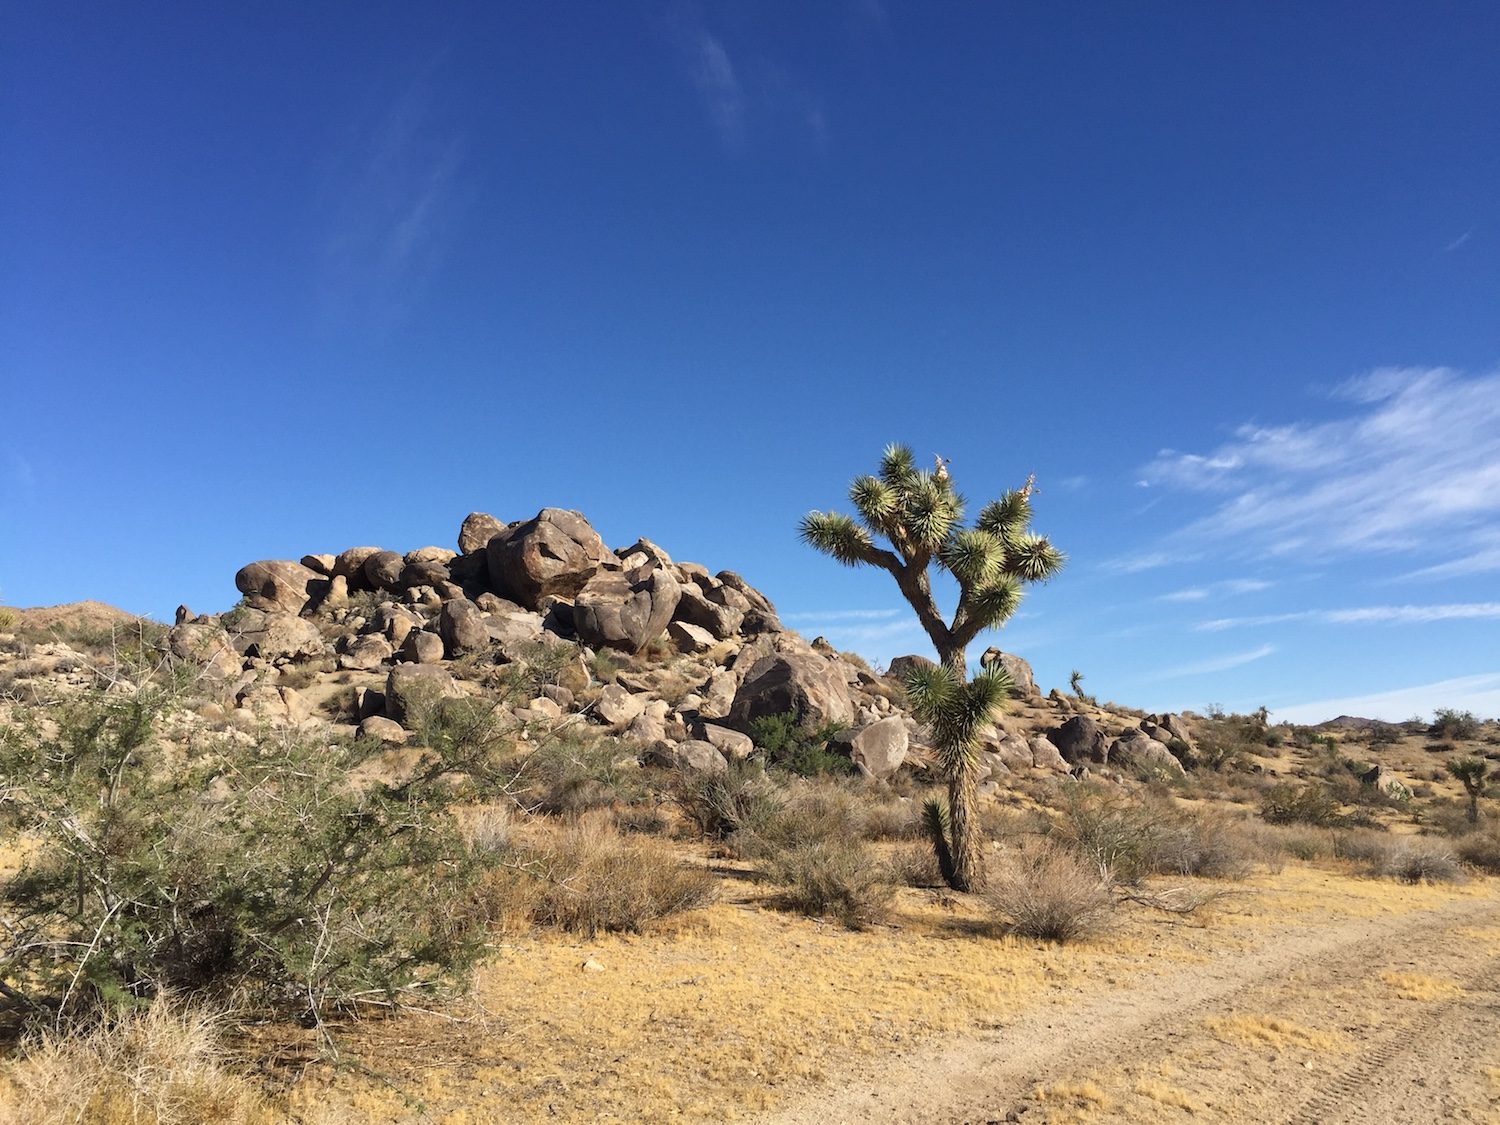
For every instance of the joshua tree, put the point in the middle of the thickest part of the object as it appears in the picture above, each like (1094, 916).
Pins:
(1473, 773)
(920, 517)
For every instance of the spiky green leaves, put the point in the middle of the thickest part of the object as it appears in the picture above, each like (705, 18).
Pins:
(956, 712)
(897, 466)
(1032, 558)
(1006, 517)
(994, 605)
(837, 535)
(974, 557)
(877, 503)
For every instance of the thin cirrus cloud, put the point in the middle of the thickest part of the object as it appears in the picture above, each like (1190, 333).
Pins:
(839, 615)
(731, 91)
(389, 194)
(1218, 663)
(1414, 463)
(1228, 586)
(1365, 615)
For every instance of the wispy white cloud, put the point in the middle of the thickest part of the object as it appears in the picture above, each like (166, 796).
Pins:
(1478, 693)
(1417, 462)
(1191, 594)
(1226, 586)
(1149, 560)
(737, 89)
(1459, 241)
(1219, 663)
(712, 74)
(1483, 558)
(1366, 615)
(389, 193)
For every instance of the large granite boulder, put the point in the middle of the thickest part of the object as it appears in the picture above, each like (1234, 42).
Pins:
(282, 636)
(1080, 740)
(1017, 669)
(625, 610)
(463, 627)
(279, 585)
(207, 645)
(383, 571)
(1140, 752)
(901, 667)
(804, 684)
(879, 749)
(721, 620)
(554, 553)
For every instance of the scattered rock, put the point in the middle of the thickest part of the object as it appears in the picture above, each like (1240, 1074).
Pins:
(625, 610)
(409, 687)
(1080, 740)
(277, 585)
(382, 729)
(556, 552)
(879, 749)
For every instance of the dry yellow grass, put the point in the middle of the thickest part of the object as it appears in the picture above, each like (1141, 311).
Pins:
(1420, 986)
(162, 1066)
(1272, 1031)
(1164, 1094)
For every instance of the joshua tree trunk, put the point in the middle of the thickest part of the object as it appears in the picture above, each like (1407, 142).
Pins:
(1473, 807)
(963, 801)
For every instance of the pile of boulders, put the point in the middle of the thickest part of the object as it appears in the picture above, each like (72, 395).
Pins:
(700, 656)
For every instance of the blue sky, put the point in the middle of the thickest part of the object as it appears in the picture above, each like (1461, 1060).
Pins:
(1225, 277)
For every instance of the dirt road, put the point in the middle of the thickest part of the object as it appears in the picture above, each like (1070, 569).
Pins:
(1394, 1018)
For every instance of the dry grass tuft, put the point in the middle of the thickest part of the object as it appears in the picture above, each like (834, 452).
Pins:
(165, 1065)
(1076, 1095)
(1271, 1031)
(1420, 986)
(1047, 892)
(1163, 1094)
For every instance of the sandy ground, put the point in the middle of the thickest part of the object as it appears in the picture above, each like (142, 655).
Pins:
(1390, 1018)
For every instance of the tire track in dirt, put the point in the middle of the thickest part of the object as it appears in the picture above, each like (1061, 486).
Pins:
(1434, 1058)
(991, 1075)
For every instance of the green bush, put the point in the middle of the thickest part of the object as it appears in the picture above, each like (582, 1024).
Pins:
(1292, 803)
(255, 870)
(1450, 724)
(798, 748)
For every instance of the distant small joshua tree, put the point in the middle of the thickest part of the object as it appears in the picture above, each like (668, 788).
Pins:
(1473, 772)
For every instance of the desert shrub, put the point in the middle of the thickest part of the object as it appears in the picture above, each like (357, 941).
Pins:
(813, 811)
(1108, 834)
(7, 619)
(576, 771)
(290, 887)
(1480, 849)
(739, 800)
(1297, 841)
(1361, 846)
(832, 878)
(1212, 847)
(796, 747)
(164, 1064)
(604, 666)
(891, 818)
(1293, 803)
(590, 878)
(1420, 861)
(642, 820)
(914, 865)
(1450, 724)
(1048, 892)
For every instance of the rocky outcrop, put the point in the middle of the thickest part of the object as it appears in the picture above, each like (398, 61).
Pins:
(463, 628)
(625, 611)
(554, 553)
(1017, 669)
(476, 532)
(411, 687)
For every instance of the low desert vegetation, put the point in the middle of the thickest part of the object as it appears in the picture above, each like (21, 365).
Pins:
(1047, 891)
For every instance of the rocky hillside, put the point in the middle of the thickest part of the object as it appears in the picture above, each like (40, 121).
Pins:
(675, 659)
